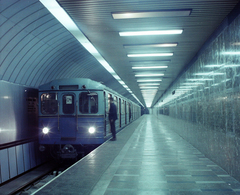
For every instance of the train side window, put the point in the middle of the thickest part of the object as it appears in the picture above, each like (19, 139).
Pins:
(49, 103)
(68, 104)
(88, 102)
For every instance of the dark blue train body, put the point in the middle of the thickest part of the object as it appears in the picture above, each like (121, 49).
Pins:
(73, 113)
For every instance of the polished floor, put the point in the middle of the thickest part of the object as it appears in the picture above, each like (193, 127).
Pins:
(147, 158)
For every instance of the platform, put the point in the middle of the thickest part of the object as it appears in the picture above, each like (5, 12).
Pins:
(147, 158)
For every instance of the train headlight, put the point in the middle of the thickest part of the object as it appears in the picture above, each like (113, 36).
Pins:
(45, 130)
(91, 130)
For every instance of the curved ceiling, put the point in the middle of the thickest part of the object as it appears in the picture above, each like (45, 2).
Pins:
(35, 48)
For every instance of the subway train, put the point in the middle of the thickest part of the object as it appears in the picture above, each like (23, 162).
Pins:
(73, 115)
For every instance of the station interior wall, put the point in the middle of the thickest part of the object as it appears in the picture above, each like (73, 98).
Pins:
(18, 130)
(208, 115)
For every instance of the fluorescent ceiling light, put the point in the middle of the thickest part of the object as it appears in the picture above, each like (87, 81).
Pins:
(150, 55)
(236, 43)
(142, 87)
(180, 90)
(149, 96)
(231, 53)
(187, 86)
(231, 66)
(151, 14)
(144, 84)
(149, 62)
(208, 74)
(213, 66)
(149, 75)
(156, 32)
(199, 79)
(149, 67)
(151, 45)
(149, 80)
(148, 90)
(152, 92)
(192, 83)
(222, 65)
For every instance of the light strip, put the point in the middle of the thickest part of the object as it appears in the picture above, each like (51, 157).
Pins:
(231, 53)
(192, 83)
(148, 75)
(142, 87)
(212, 66)
(155, 62)
(149, 67)
(156, 32)
(150, 55)
(147, 80)
(151, 14)
(59, 13)
(223, 66)
(208, 74)
(151, 45)
(199, 79)
(144, 84)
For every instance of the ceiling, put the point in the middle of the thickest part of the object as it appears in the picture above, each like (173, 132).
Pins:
(35, 46)
(95, 20)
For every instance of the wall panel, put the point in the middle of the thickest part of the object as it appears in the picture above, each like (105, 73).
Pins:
(208, 113)
(5, 173)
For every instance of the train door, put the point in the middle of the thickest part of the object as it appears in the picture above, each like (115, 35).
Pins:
(123, 113)
(125, 108)
(68, 117)
(105, 114)
(108, 129)
(119, 111)
(129, 111)
(117, 121)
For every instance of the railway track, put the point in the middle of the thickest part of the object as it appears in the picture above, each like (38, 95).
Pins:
(34, 179)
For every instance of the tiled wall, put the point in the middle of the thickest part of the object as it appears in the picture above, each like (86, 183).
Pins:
(204, 102)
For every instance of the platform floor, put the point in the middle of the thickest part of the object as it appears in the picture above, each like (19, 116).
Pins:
(147, 158)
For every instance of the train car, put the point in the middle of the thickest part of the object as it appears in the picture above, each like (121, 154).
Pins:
(73, 114)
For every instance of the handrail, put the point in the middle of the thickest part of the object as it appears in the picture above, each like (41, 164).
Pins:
(16, 143)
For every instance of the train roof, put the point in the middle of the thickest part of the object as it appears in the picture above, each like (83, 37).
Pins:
(72, 84)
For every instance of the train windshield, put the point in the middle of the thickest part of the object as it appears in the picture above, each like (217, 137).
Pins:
(49, 103)
(88, 102)
(68, 104)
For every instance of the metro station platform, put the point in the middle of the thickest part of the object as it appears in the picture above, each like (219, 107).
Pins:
(147, 158)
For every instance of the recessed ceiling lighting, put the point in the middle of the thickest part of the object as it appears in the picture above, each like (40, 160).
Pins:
(148, 90)
(151, 45)
(142, 87)
(156, 32)
(208, 73)
(213, 66)
(203, 79)
(231, 53)
(149, 55)
(144, 84)
(149, 67)
(151, 14)
(196, 83)
(149, 62)
(236, 43)
(148, 75)
(149, 80)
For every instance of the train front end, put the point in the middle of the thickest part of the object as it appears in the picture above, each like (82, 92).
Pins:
(70, 118)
